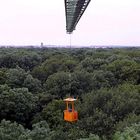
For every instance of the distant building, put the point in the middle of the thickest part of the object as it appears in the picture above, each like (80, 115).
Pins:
(42, 44)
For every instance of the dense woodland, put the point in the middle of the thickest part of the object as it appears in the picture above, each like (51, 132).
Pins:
(34, 82)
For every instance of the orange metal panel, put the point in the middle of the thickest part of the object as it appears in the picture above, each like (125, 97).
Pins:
(70, 116)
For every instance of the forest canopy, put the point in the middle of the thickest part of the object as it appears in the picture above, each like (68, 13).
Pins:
(34, 82)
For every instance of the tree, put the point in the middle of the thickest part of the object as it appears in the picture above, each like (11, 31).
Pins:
(125, 70)
(58, 84)
(97, 123)
(15, 77)
(53, 65)
(81, 82)
(39, 73)
(101, 110)
(128, 121)
(53, 113)
(8, 60)
(91, 137)
(102, 79)
(18, 105)
(90, 64)
(40, 131)
(129, 133)
(2, 76)
(12, 131)
(74, 84)
(34, 81)
(28, 60)
(34, 85)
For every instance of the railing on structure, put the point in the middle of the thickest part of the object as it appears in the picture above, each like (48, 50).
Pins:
(74, 10)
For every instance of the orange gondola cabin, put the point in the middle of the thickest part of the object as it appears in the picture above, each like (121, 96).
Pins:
(70, 114)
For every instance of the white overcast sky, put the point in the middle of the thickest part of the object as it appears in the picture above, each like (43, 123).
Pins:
(105, 22)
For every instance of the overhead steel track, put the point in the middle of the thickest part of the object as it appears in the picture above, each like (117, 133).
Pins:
(74, 10)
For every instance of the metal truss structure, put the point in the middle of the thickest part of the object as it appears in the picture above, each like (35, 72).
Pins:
(74, 10)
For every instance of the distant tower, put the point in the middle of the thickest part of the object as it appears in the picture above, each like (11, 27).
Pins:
(42, 44)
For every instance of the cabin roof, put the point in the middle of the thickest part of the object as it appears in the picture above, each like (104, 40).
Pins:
(70, 99)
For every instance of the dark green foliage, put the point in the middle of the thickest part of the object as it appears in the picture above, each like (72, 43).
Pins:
(17, 104)
(24, 58)
(129, 133)
(29, 60)
(91, 137)
(53, 113)
(104, 108)
(34, 85)
(15, 77)
(102, 79)
(18, 78)
(64, 83)
(14, 131)
(53, 65)
(90, 64)
(128, 121)
(58, 84)
(3, 76)
(40, 131)
(81, 82)
(34, 82)
(125, 70)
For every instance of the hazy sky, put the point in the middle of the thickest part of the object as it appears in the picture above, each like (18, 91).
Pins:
(105, 22)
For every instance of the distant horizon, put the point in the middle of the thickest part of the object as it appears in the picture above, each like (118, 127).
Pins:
(68, 46)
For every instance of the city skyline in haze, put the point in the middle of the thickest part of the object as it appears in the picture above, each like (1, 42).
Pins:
(30, 22)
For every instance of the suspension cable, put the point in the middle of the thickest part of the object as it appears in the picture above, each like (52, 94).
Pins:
(70, 76)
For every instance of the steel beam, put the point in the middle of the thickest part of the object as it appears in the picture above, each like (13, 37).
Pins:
(74, 10)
